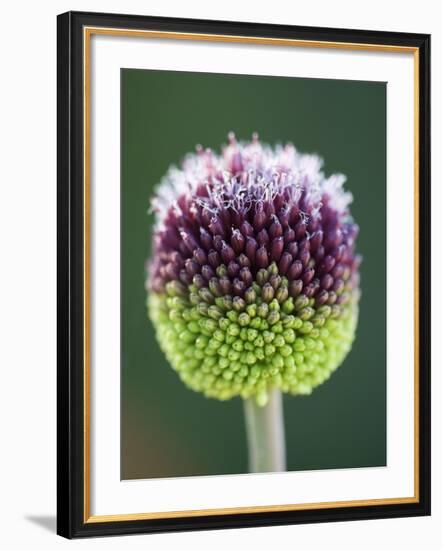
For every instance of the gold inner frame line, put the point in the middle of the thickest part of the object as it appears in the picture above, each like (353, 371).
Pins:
(87, 33)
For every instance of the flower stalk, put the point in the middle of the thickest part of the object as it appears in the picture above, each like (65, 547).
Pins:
(265, 433)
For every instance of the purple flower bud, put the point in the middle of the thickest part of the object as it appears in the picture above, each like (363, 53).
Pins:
(319, 254)
(308, 275)
(200, 256)
(283, 215)
(238, 287)
(233, 269)
(304, 257)
(315, 241)
(216, 227)
(247, 229)
(191, 267)
(300, 229)
(285, 262)
(326, 281)
(275, 229)
(321, 298)
(183, 248)
(309, 290)
(338, 286)
(304, 245)
(340, 253)
(214, 258)
(207, 272)
(292, 248)
(262, 257)
(269, 207)
(259, 219)
(206, 216)
(189, 240)
(246, 276)
(289, 235)
(205, 238)
(225, 285)
(263, 238)
(169, 237)
(227, 253)
(295, 269)
(276, 248)
(327, 264)
(251, 248)
(244, 261)
(275, 281)
(338, 271)
(171, 271)
(237, 241)
(295, 287)
(343, 298)
(333, 238)
(218, 242)
(176, 259)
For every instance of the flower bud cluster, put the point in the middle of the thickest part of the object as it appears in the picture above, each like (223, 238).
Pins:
(253, 282)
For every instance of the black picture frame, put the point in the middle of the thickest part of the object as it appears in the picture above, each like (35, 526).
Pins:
(71, 518)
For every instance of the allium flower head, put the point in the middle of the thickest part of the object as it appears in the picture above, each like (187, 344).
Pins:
(253, 281)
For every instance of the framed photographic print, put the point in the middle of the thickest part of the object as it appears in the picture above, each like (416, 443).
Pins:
(243, 274)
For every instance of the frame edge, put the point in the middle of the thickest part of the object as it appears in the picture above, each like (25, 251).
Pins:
(70, 519)
(64, 512)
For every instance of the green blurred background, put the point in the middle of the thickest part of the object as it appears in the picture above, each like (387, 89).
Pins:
(166, 429)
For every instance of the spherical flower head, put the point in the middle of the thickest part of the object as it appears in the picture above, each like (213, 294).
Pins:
(253, 281)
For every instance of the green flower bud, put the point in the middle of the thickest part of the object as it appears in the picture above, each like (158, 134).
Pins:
(267, 293)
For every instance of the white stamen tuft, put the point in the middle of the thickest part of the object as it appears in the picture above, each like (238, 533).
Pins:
(264, 172)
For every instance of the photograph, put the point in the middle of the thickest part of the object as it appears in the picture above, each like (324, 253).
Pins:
(253, 274)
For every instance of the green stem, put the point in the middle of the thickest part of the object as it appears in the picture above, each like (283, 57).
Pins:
(265, 434)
